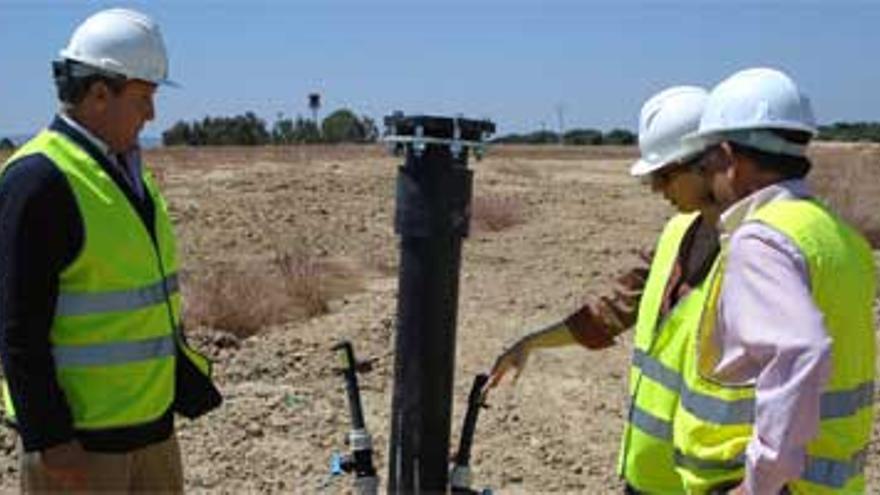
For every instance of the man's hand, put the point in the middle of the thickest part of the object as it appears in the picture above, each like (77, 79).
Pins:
(515, 357)
(66, 464)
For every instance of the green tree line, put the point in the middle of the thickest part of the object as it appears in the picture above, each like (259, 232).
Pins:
(851, 131)
(341, 126)
(839, 131)
(344, 126)
(573, 137)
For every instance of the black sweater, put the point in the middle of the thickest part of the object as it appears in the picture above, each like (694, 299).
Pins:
(42, 233)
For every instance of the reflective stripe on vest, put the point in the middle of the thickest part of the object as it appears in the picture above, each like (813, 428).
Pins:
(113, 353)
(818, 470)
(651, 424)
(73, 304)
(657, 371)
(834, 404)
(834, 473)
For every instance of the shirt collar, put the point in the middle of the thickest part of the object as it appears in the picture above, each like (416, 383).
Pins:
(740, 211)
(95, 140)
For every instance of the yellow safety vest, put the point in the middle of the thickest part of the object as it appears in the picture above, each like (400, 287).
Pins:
(115, 332)
(646, 458)
(714, 422)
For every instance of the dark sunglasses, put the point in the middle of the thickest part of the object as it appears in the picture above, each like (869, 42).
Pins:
(668, 171)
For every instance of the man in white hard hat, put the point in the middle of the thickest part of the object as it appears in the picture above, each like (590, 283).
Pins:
(90, 337)
(663, 303)
(778, 379)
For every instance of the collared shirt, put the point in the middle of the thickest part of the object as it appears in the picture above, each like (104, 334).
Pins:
(95, 140)
(128, 163)
(771, 334)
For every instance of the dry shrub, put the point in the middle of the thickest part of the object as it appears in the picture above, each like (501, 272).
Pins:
(244, 301)
(496, 213)
(311, 283)
(383, 262)
(238, 301)
(303, 281)
(847, 177)
(518, 169)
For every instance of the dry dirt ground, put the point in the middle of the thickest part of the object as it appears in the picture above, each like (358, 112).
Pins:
(582, 220)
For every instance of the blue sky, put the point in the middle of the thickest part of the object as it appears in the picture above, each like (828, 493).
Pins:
(514, 61)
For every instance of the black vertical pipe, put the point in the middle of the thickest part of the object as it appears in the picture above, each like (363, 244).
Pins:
(431, 217)
(460, 477)
(463, 455)
(352, 389)
(361, 460)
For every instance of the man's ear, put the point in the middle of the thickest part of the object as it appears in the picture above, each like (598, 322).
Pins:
(731, 159)
(727, 151)
(742, 171)
(99, 94)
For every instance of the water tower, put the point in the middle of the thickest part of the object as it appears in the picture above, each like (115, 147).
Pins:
(314, 106)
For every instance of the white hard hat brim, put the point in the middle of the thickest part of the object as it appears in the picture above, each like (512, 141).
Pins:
(643, 167)
(758, 137)
(778, 125)
(688, 150)
(702, 139)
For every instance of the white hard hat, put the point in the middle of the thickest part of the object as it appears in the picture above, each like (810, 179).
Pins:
(121, 41)
(665, 118)
(747, 105)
